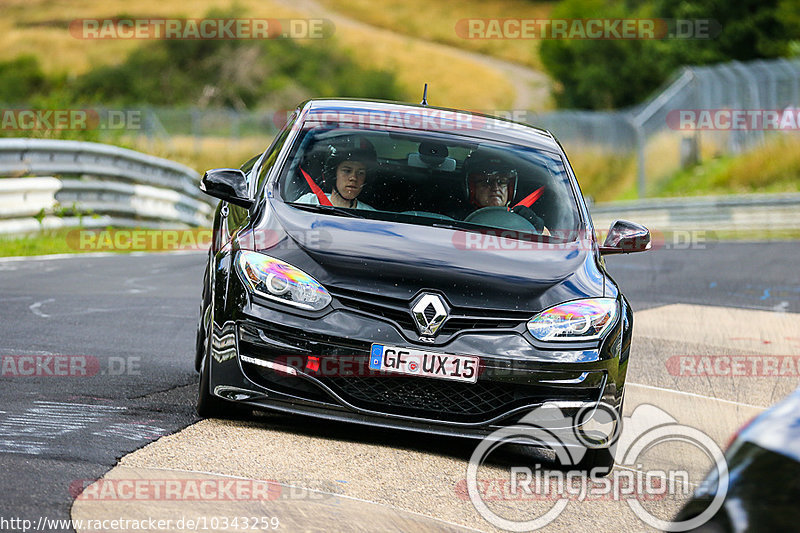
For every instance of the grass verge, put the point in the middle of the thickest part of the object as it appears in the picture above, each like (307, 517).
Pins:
(41, 28)
(770, 168)
(80, 240)
(44, 242)
(607, 176)
(201, 153)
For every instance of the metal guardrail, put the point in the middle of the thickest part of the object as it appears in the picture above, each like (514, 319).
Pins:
(115, 185)
(750, 212)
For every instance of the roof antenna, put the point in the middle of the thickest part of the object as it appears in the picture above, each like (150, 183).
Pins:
(425, 96)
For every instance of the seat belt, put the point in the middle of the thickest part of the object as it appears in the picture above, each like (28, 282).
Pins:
(531, 198)
(323, 200)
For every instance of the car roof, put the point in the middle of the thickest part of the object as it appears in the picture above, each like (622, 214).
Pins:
(376, 113)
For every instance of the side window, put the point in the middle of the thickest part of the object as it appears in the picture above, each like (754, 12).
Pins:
(273, 151)
(237, 216)
(248, 165)
(247, 168)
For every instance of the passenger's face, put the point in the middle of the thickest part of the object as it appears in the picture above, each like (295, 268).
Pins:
(350, 177)
(491, 191)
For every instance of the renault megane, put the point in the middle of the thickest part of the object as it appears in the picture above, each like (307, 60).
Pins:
(411, 267)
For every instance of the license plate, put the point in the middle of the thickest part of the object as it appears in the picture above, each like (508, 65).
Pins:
(413, 362)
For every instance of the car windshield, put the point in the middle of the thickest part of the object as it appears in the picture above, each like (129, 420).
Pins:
(430, 178)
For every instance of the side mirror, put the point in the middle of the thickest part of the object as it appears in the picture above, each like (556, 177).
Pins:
(229, 184)
(625, 237)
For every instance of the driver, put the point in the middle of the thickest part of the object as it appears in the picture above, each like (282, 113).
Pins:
(346, 173)
(492, 182)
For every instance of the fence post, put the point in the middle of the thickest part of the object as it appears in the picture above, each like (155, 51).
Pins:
(195, 114)
(641, 140)
(752, 83)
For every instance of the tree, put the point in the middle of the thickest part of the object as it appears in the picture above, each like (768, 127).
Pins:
(613, 73)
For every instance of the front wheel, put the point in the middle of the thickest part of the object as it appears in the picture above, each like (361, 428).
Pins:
(596, 462)
(208, 405)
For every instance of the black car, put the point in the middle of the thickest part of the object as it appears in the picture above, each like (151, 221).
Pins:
(761, 488)
(410, 267)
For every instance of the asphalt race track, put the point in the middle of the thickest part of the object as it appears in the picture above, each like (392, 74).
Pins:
(97, 362)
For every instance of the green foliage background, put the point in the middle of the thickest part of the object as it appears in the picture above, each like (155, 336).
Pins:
(613, 73)
(242, 74)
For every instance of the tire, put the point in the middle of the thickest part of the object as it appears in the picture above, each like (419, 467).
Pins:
(208, 405)
(601, 459)
(199, 343)
(200, 337)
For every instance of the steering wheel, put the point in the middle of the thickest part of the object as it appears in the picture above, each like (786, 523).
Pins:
(500, 217)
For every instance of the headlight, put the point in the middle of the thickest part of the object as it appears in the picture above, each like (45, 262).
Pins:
(274, 279)
(581, 320)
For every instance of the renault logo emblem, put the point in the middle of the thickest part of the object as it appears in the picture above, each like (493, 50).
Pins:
(429, 313)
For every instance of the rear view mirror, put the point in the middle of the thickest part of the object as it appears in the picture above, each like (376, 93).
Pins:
(626, 237)
(229, 184)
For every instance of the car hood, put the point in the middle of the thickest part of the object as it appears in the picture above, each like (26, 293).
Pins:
(399, 260)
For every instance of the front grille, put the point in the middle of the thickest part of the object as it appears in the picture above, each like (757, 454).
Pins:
(274, 336)
(459, 318)
(439, 399)
(423, 396)
(390, 393)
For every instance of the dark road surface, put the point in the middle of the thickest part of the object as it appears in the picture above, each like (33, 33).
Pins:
(97, 352)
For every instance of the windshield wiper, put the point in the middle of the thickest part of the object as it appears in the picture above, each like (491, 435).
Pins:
(330, 209)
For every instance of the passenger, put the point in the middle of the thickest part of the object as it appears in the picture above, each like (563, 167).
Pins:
(492, 182)
(346, 171)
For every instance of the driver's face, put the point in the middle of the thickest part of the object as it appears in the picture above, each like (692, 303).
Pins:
(491, 191)
(350, 177)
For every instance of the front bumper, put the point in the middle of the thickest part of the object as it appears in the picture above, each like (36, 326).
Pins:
(318, 366)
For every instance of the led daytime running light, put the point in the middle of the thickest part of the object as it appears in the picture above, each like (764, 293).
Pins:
(578, 320)
(281, 281)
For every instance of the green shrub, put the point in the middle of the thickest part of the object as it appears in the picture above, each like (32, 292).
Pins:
(238, 74)
(20, 78)
(613, 73)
